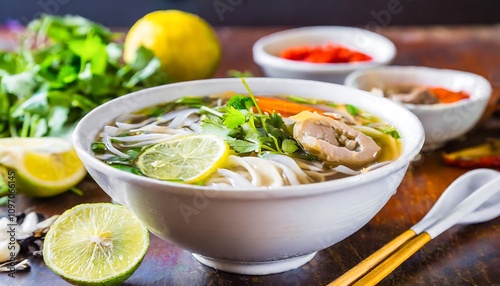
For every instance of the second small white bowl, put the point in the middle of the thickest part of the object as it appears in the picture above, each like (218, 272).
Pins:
(267, 49)
(442, 122)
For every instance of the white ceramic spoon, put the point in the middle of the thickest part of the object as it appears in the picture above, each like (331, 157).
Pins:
(472, 198)
(458, 191)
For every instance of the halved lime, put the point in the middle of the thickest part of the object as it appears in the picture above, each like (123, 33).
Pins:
(188, 159)
(96, 244)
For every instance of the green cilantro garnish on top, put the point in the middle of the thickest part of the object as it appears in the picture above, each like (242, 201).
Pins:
(246, 129)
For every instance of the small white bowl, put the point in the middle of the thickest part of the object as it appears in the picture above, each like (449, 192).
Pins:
(442, 122)
(252, 230)
(267, 49)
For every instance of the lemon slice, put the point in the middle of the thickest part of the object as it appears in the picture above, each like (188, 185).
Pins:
(44, 166)
(188, 159)
(96, 244)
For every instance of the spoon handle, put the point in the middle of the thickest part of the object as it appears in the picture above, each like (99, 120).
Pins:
(467, 206)
(392, 262)
(366, 265)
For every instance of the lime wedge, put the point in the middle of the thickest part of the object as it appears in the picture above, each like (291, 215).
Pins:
(96, 244)
(188, 159)
(44, 166)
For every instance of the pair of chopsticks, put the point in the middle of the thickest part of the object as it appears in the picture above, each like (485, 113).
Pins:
(386, 259)
(441, 217)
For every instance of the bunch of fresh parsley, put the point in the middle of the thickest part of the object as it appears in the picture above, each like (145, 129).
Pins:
(64, 67)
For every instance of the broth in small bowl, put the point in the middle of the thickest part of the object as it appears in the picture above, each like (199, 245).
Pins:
(262, 210)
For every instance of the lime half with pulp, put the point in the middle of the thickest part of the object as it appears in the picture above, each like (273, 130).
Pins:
(96, 244)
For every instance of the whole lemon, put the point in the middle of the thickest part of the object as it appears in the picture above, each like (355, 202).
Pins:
(185, 44)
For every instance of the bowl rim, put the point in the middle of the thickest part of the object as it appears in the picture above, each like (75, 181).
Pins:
(414, 147)
(351, 81)
(262, 57)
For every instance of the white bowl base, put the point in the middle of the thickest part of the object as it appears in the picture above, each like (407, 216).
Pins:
(255, 268)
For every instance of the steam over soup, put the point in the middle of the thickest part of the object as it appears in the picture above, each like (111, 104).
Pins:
(233, 140)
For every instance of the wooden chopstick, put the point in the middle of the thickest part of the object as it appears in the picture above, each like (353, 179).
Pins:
(393, 261)
(373, 260)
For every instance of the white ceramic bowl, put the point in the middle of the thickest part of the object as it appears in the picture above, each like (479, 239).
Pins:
(266, 52)
(252, 231)
(442, 122)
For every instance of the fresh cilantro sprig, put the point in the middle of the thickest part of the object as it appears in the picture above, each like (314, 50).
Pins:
(247, 131)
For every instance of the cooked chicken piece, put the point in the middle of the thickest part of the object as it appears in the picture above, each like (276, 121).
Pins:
(334, 142)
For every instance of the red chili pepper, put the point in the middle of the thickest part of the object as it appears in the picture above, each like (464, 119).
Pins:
(296, 54)
(324, 54)
(486, 155)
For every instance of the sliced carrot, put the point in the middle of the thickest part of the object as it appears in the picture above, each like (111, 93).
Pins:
(448, 96)
(284, 107)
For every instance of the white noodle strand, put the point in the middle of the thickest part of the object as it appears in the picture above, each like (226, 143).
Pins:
(111, 148)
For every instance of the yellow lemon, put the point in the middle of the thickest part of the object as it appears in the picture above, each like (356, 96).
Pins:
(43, 167)
(185, 44)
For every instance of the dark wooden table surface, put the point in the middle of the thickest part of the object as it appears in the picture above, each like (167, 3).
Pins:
(463, 255)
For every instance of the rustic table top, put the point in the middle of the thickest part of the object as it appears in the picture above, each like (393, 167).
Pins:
(463, 255)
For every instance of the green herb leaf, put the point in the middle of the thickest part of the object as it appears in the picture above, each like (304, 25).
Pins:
(352, 109)
(126, 168)
(98, 148)
(242, 146)
(86, 49)
(239, 74)
(289, 146)
(389, 130)
(233, 118)
(213, 126)
(240, 102)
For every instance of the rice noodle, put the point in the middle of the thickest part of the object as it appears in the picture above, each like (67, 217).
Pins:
(370, 131)
(173, 114)
(345, 170)
(151, 142)
(291, 169)
(235, 179)
(111, 130)
(107, 141)
(269, 171)
(154, 128)
(104, 156)
(125, 126)
(375, 166)
(196, 127)
(140, 137)
(181, 116)
(309, 165)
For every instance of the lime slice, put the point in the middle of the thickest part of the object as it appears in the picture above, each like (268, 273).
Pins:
(96, 244)
(44, 166)
(188, 159)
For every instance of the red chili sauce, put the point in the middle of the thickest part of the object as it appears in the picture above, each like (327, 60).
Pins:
(329, 53)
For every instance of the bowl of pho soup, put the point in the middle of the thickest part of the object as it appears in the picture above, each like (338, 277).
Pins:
(252, 177)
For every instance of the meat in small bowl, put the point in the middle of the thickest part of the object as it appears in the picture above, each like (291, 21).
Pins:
(449, 103)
